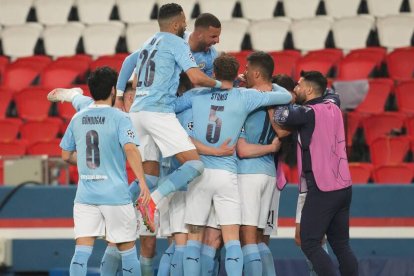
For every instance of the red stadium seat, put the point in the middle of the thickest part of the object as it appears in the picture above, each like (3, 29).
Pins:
(286, 171)
(331, 54)
(409, 125)
(32, 104)
(285, 62)
(382, 125)
(400, 64)
(404, 93)
(389, 150)
(376, 54)
(35, 62)
(14, 148)
(242, 59)
(65, 111)
(54, 76)
(40, 131)
(3, 62)
(352, 123)
(73, 174)
(374, 101)
(5, 99)
(355, 69)
(294, 176)
(9, 129)
(113, 61)
(49, 148)
(311, 63)
(393, 174)
(360, 172)
(16, 76)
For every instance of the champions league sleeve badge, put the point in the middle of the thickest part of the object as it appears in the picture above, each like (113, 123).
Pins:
(130, 134)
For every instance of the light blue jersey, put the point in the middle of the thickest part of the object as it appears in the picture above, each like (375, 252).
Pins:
(220, 114)
(98, 135)
(161, 60)
(204, 59)
(257, 129)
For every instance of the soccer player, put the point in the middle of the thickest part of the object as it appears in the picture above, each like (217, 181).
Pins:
(98, 140)
(256, 168)
(219, 115)
(324, 174)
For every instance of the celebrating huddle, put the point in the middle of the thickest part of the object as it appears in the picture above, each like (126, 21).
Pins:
(203, 153)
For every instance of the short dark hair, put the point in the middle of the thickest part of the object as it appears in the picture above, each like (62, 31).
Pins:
(285, 81)
(101, 81)
(184, 84)
(226, 67)
(206, 20)
(317, 79)
(168, 11)
(264, 62)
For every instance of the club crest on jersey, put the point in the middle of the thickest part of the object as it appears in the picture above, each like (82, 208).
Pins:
(130, 134)
(202, 65)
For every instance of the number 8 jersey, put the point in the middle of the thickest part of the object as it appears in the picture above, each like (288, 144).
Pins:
(98, 135)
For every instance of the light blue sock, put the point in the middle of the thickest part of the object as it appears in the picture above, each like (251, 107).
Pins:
(165, 262)
(80, 102)
(207, 260)
(134, 188)
(234, 258)
(130, 262)
(177, 261)
(178, 179)
(111, 261)
(251, 260)
(147, 266)
(217, 262)
(192, 255)
(79, 262)
(268, 264)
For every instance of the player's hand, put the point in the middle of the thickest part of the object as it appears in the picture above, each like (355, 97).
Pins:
(241, 78)
(145, 193)
(119, 103)
(225, 149)
(276, 144)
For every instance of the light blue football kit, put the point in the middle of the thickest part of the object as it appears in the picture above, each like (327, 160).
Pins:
(100, 155)
(217, 116)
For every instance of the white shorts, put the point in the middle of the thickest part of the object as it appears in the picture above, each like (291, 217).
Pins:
(256, 192)
(177, 213)
(116, 222)
(299, 206)
(272, 218)
(217, 187)
(160, 133)
(212, 219)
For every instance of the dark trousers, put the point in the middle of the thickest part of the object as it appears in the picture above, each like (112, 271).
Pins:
(327, 213)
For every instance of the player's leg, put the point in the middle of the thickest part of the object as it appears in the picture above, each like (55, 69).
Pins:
(228, 212)
(198, 203)
(165, 262)
(121, 227)
(111, 261)
(89, 224)
(212, 242)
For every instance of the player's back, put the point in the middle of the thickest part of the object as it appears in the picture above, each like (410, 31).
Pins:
(258, 130)
(160, 61)
(100, 156)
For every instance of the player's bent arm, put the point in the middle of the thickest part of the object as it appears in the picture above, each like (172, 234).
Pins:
(134, 159)
(69, 157)
(198, 78)
(280, 131)
(247, 150)
(224, 150)
(126, 71)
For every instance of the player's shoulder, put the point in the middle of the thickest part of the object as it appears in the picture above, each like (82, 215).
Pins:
(198, 91)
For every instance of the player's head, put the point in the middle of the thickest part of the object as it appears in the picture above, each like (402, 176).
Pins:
(259, 67)
(171, 18)
(184, 84)
(102, 83)
(226, 68)
(207, 29)
(311, 84)
(286, 82)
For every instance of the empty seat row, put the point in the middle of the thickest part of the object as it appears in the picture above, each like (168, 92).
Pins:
(99, 11)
